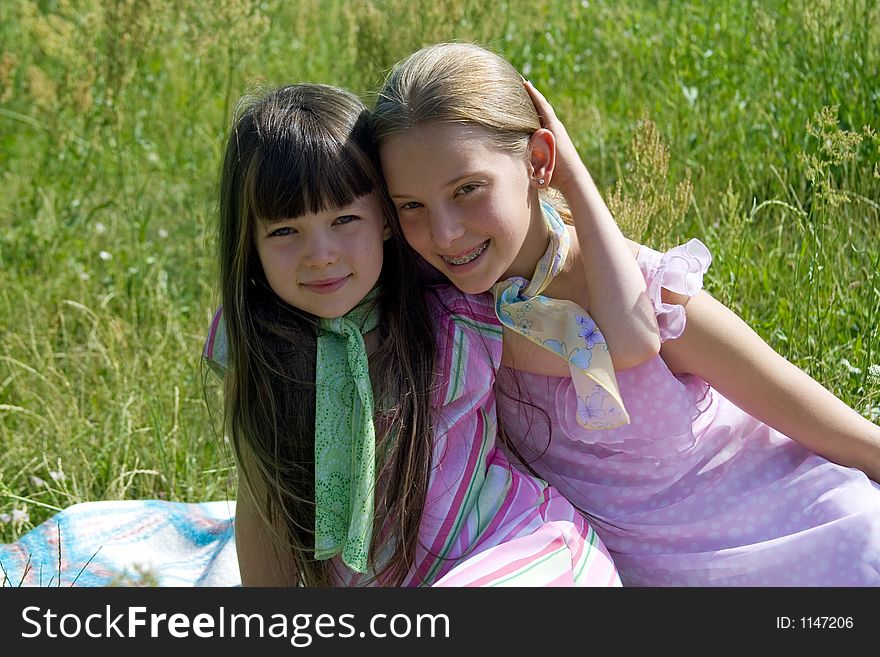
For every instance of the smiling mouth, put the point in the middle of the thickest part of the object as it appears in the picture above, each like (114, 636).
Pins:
(467, 257)
(326, 285)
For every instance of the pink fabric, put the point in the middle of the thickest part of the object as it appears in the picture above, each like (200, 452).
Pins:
(694, 491)
(486, 523)
(679, 270)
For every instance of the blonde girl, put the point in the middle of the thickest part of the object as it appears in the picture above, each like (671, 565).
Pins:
(699, 466)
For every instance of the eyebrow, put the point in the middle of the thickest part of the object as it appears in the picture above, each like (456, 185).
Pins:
(277, 220)
(458, 178)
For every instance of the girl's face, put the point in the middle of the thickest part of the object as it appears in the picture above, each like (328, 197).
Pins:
(325, 263)
(465, 205)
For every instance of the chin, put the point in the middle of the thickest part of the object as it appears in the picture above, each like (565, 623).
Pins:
(469, 283)
(472, 287)
(333, 312)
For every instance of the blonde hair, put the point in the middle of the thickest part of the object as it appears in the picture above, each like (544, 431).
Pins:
(465, 84)
(457, 83)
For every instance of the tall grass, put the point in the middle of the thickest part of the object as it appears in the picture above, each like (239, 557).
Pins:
(747, 124)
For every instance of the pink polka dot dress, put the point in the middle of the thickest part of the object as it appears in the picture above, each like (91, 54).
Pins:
(694, 491)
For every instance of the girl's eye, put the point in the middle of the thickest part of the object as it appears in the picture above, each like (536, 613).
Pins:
(466, 189)
(282, 232)
(344, 219)
(412, 205)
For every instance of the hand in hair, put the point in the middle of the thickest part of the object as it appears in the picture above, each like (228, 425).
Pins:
(568, 165)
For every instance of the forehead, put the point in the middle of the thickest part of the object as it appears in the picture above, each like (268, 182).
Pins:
(432, 152)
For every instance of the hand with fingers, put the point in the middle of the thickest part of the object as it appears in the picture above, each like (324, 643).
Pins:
(568, 164)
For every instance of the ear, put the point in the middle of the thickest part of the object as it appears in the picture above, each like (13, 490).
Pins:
(386, 231)
(542, 157)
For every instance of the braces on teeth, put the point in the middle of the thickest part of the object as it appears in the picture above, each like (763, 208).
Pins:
(466, 259)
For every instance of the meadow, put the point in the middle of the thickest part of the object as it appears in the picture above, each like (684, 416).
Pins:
(749, 124)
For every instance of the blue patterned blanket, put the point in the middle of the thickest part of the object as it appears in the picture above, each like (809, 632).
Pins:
(127, 543)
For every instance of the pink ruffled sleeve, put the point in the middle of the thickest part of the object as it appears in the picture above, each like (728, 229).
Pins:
(678, 270)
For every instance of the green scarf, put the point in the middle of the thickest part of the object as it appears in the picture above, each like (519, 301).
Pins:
(344, 434)
(345, 439)
(564, 328)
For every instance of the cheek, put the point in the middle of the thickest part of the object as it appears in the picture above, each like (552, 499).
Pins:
(417, 235)
(510, 218)
(494, 218)
(265, 261)
(277, 257)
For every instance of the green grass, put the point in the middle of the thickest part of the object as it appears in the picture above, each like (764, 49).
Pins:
(697, 119)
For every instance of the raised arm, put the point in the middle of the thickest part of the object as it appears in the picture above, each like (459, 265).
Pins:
(615, 287)
(724, 351)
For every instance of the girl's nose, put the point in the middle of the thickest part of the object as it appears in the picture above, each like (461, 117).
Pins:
(322, 252)
(445, 229)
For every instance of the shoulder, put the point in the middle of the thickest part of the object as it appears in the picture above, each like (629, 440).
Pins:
(679, 269)
(672, 278)
(468, 330)
(451, 305)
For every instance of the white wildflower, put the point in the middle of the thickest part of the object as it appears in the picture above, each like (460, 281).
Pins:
(690, 94)
(105, 255)
(849, 367)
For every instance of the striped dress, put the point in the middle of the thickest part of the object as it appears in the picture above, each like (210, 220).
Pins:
(485, 522)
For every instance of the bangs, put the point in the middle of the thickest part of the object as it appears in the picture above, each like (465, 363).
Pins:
(307, 170)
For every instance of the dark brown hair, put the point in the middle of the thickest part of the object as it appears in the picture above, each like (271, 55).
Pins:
(298, 149)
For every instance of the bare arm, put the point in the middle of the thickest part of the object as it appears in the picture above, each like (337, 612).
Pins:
(723, 350)
(260, 561)
(615, 286)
